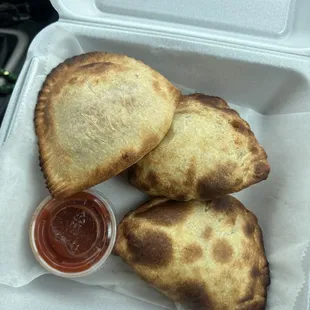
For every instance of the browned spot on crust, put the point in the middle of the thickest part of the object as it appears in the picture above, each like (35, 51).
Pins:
(261, 275)
(207, 189)
(222, 204)
(207, 100)
(135, 171)
(116, 167)
(190, 175)
(261, 171)
(215, 103)
(239, 126)
(48, 119)
(248, 229)
(265, 278)
(237, 141)
(231, 112)
(151, 178)
(222, 251)
(257, 305)
(194, 295)
(158, 89)
(231, 219)
(173, 90)
(152, 248)
(124, 156)
(191, 253)
(218, 183)
(129, 156)
(81, 58)
(148, 144)
(255, 272)
(238, 181)
(156, 86)
(254, 150)
(246, 255)
(144, 187)
(260, 237)
(207, 233)
(98, 67)
(166, 214)
(247, 297)
(73, 80)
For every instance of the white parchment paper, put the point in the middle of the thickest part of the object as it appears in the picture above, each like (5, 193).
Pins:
(281, 203)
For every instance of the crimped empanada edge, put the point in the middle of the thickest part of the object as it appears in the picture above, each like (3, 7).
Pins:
(58, 187)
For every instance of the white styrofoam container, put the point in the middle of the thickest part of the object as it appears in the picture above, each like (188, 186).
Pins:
(256, 48)
(252, 53)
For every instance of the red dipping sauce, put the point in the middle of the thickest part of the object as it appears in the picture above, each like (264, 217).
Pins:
(73, 237)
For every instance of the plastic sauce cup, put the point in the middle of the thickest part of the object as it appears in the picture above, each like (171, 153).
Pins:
(73, 237)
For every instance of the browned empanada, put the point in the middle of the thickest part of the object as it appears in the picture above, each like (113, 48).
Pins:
(206, 255)
(97, 114)
(209, 151)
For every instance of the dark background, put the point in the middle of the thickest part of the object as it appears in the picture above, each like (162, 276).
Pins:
(29, 17)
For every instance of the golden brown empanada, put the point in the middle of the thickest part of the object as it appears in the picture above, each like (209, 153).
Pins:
(97, 114)
(209, 151)
(206, 255)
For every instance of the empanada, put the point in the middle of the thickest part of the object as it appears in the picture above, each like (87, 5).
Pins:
(96, 115)
(209, 151)
(206, 255)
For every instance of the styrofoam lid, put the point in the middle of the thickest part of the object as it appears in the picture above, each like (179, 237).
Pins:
(265, 23)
